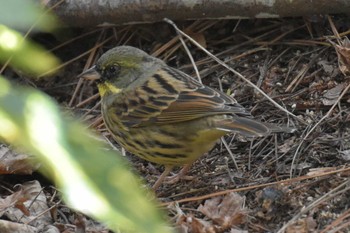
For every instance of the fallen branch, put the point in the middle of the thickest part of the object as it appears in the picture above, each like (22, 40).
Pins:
(84, 13)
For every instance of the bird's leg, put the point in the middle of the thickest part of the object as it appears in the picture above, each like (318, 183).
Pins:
(175, 178)
(172, 179)
(160, 180)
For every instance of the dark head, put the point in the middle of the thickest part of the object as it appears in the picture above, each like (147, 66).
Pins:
(119, 67)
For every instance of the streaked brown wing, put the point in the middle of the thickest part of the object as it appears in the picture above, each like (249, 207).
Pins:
(201, 102)
(163, 99)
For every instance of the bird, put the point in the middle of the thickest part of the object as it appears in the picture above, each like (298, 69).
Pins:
(164, 115)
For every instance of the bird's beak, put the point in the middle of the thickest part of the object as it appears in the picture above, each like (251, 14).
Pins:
(90, 74)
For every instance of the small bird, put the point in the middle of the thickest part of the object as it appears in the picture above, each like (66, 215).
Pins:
(163, 115)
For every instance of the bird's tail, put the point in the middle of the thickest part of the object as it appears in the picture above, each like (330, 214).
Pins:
(249, 127)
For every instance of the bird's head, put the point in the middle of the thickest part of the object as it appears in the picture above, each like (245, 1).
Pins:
(119, 67)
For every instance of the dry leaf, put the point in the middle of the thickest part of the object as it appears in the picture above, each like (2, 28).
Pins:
(13, 200)
(199, 37)
(27, 205)
(287, 145)
(191, 224)
(15, 163)
(343, 52)
(13, 227)
(345, 154)
(331, 96)
(302, 226)
(225, 212)
(327, 66)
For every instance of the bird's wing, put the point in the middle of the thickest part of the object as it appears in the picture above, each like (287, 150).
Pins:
(162, 99)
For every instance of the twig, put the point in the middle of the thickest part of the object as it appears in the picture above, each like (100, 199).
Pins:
(284, 182)
(190, 56)
(88, 100)
(230, 152)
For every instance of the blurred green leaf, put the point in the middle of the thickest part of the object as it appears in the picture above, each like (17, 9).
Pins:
(24, 55)
(93, 180)
(23, 14)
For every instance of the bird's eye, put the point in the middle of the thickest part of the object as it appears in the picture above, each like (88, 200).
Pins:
(112, 71)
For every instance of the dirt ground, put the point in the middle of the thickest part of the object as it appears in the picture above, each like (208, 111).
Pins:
(294, 182)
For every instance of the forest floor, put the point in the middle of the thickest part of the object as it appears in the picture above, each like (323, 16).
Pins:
(294, 182)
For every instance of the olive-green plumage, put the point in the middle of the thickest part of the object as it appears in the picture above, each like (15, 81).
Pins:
(160, 113)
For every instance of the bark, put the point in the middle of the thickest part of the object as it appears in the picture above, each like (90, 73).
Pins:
(84, 13)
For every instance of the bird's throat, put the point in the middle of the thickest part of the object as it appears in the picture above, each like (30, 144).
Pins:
(107, 87)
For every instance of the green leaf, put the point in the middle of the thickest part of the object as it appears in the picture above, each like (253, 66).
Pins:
(23, 14)
(93, 180)
(23, 54)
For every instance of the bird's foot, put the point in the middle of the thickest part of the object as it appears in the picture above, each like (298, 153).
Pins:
(172, 179)
(180, 176)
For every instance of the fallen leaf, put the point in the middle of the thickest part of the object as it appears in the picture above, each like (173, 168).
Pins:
(13, 227)
(27, 205)
(16, 163)
(343, 52)
(12, 201)
(199, 37)
(191, 224)
(345, 154)
(327, 66)
(331, 95)
(302, 226)
(287, 145)
(226, 212)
